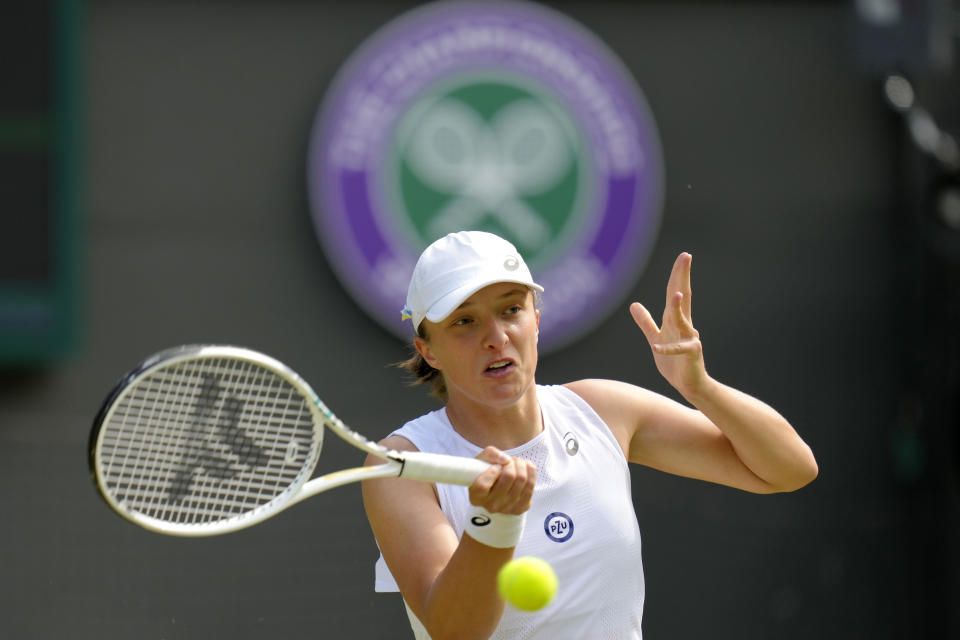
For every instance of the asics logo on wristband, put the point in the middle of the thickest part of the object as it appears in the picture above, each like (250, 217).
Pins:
(479, 521)
(494, 529)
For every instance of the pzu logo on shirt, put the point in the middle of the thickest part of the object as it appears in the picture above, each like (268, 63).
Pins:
(558, 526)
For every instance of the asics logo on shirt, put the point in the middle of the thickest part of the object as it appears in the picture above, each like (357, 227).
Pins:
(570, 443)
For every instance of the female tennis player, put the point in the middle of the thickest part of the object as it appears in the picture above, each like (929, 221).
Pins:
(558, 486)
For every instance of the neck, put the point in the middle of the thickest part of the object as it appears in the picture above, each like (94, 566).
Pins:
(501, 427)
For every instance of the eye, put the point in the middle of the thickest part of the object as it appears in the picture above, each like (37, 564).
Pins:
(459, 322)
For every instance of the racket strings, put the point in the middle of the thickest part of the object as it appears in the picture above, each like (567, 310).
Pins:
(205, 440)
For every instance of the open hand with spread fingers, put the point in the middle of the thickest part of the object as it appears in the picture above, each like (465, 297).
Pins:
(676, 346)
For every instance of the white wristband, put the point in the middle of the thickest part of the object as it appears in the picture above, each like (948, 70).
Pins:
(498, 530)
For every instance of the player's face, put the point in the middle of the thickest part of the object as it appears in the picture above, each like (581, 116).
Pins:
(487, 348)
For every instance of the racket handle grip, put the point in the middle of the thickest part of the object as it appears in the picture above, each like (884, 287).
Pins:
(436, 467)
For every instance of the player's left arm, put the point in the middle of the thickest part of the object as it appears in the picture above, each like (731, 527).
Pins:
(731, 439)
(728, 437)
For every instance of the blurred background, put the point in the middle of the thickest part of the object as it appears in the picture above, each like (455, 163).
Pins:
(153, 193)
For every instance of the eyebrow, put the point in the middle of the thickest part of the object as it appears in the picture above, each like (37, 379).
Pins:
(512, 292)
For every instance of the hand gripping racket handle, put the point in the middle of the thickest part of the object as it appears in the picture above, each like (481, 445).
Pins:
(436, 467)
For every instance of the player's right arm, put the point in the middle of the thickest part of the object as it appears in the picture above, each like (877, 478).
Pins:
(449, 583)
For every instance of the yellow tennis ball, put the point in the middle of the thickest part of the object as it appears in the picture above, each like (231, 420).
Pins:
(528, 583)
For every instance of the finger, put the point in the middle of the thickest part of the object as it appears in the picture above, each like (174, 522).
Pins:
(685, 286)
(513, 491)
(502, 496)
(521, 492)
(526, 497)
(645, 321)
(493, 456)
(683, 347)
(482, 486)
(680, 280)
(676, 275)
(680, 321)
(523, 489)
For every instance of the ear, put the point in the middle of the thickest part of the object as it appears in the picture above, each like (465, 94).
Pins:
(423, 347)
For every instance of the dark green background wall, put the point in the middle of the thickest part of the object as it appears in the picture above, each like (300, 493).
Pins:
(786, 177)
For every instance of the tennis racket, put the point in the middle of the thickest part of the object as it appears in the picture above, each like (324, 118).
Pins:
(201, 440)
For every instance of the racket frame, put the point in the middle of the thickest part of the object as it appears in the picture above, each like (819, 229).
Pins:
(426, 467)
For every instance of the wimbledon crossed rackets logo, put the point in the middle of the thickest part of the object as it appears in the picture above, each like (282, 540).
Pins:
(489, 154)
(214, 435)
(495, 116)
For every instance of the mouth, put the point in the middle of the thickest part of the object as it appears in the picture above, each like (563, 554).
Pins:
(499, 367)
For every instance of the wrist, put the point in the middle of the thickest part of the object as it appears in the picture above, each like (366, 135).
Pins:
(500, 530)
(699, 390)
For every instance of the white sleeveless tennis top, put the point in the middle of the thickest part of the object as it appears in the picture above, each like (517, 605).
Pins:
(582, 522)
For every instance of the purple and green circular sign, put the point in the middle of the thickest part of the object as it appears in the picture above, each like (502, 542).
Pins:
(497, 116)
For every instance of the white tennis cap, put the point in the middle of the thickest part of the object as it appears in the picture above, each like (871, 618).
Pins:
(455, 267)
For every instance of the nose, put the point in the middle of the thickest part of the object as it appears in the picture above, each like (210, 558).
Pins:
(495, 335)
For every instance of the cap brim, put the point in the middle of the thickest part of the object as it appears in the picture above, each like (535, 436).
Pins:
(448, 303)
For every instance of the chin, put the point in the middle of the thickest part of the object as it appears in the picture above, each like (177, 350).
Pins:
(510, 394)
(497, 396)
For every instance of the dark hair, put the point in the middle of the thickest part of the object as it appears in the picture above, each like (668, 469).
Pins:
(423, 373)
